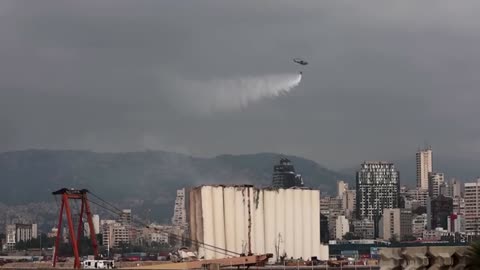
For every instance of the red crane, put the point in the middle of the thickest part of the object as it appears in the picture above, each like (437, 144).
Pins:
(67, 195)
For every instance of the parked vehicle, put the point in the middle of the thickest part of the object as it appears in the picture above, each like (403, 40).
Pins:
(98, 264)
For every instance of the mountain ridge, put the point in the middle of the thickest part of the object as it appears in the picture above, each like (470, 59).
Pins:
(142, 179)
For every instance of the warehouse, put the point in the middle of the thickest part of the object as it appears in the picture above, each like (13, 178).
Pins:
(284, 222)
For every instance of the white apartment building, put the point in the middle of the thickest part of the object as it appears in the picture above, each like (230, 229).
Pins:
(419, 224)
(434, 235)
(15, 233)
(107, 231)
(96, 225)
(472, 207)
(159, 237)
(435, 181)
(424, 166)
(26, 232)
(342, 187)
(456, 223)
(341, 227)
(10, 236)
(114, 234)
(121, 234)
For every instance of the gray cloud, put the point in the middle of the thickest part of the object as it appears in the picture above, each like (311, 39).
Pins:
(100, 75)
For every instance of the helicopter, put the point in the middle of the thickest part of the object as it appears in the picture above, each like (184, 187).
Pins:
(300, 61)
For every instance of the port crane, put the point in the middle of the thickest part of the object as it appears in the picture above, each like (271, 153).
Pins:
(184, 258)
(67, 196)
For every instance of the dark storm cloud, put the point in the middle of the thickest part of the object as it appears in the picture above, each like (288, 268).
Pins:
(383, 77)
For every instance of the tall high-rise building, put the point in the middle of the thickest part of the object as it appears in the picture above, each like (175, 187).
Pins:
(424, 166)
(349, 202)
(472, 207)
(342, 187)
(96, 223)
(435, 181)
(284, 175)
(179, 212)
(378, 185)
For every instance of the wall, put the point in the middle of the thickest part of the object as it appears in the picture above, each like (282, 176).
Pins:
(269, 221)
(423, 257)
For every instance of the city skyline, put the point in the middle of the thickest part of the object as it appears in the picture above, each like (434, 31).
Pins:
(375, 209)
(239, 134)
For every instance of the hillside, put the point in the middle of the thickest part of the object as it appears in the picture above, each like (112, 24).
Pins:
(143, 180)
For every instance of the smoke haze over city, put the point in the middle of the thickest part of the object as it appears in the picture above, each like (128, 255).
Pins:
(104, 75)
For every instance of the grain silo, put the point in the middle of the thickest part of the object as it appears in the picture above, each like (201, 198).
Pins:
(245, 218)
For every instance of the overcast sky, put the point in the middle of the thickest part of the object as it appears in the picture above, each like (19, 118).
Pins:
(384, 76)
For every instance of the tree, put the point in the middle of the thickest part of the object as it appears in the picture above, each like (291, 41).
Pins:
(409, 237)
(42, 241)
(393, 239)
(473, 256)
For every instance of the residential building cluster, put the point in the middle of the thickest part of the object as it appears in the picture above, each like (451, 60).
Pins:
(114, 232)
(19, 232)
(376, 207)
(379, 207)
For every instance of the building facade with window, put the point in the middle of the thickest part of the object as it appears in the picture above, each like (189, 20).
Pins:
(472, 207)
(378, 186)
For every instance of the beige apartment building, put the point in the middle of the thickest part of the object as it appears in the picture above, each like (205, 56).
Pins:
(424, 166)
(472, 207)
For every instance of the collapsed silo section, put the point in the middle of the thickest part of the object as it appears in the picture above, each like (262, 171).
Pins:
(243, 219)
